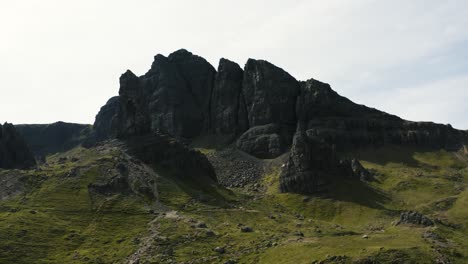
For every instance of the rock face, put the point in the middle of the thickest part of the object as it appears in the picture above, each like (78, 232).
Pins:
(347, 125)
(228, 110)
(414, 218)
(173, 97)
(107, 119)
(261, 108)
(270, 94)
(14, 153)
(182, 95)
(53, 138)
(311, 165)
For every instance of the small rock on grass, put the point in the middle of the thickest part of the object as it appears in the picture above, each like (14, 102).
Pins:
(220, 250)
(246, 229)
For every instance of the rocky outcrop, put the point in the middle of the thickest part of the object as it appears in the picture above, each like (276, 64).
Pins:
(414, 218)
(311, 165)
(347, 125)
(52, 138)
(262, 106)
(173, 97)
(14, 152)
(270, 94)
(228, 110)
(270, 97)
(266, 142)
(129, 176)
(173, 157)
(107, 119)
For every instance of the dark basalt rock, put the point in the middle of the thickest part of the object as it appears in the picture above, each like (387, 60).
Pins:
(173, 97)
(229, 114)
(261, 107)
(311, 165)
(133, 115)
(270, 94)
(199, 77)
(14, 153)
(107, 120)
(267, 141)
(183, 96)
(347, 125)
(414, 218)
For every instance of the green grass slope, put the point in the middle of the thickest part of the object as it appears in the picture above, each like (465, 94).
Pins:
(56, 220)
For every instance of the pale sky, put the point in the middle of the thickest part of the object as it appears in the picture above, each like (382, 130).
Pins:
(61, 59)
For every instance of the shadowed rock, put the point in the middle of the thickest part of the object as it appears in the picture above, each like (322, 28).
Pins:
(311, 165)
(14, 153)
(45, 139)
(182, 95)
(260, 108)
(170, 155)
(107, 119)
(267, 141)
(347, 125)
(174, 97)
(353, 168)
(229, 114)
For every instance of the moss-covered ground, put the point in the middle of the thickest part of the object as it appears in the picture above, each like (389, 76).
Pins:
(57, 221)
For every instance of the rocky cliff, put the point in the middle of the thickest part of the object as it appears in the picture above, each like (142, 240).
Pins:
(264, 110)
(14, 153)
(261, 105)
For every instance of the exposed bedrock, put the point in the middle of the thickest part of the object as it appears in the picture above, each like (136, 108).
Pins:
(327, 115)
(182, 95)
(266, 141)
(228, 110)
(311, 165)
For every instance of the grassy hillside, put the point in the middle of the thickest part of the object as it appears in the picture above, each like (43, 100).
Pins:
(57, 220)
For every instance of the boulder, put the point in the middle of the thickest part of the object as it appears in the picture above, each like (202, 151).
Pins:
(266, 142)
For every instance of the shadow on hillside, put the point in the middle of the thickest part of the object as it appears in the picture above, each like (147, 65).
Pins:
(354, 191)
(389, 154)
